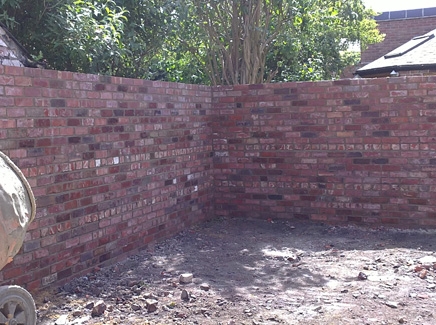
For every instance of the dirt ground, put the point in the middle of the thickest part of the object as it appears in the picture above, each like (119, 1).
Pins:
(260, 272)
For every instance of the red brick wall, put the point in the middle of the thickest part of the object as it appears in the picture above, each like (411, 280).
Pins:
(397, 33)
(118, 163)
(360, 151)
(114, 164)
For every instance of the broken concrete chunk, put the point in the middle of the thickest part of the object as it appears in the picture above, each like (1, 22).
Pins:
(392, 304)
(427, 261)
(98, 309)
(186, 278)
(184, 295)
(62, 320)
(151, 305)
(135, 307)
(205, 286)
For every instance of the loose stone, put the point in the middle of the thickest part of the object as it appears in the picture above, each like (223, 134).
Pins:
(184, 295)
(135, 307)
(98, 309)
(186, 278)
(62, 320)
(151, 305)
(204, 286)
(392, 304)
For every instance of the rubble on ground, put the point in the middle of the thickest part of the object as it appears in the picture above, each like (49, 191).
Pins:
(235, 271)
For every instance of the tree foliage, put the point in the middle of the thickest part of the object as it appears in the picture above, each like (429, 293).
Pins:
(115, 37)
(98, 47)
(253, 41)
(194, 41)
(322, 32)
(233, 37)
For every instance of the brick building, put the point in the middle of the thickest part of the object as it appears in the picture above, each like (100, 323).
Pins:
(407, 47)
(399, 28)
(416, 57)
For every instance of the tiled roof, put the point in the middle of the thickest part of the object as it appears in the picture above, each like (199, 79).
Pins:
(417, 54)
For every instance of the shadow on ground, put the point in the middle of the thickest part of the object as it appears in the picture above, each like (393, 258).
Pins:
(266, 272)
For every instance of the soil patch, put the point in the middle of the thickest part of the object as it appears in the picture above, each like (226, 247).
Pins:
(260, 272)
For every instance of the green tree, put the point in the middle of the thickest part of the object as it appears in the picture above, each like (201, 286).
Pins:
(231, 38)
(254, 41)
(148, 25)
(116, 37)
(8, 11)
(194, 41)
(91, 34)
(322, 32)
(84, 36)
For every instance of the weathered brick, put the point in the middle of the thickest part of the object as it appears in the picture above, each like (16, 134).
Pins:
(30, 143)
(309, 134)
(275, 197)
(123, 88)
(27, 102)
(352, 101)
(59, 102)
(380, 161)
(380, 133)
(281, 91)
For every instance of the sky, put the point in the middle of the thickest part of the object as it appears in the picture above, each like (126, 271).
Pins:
(393, 5)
